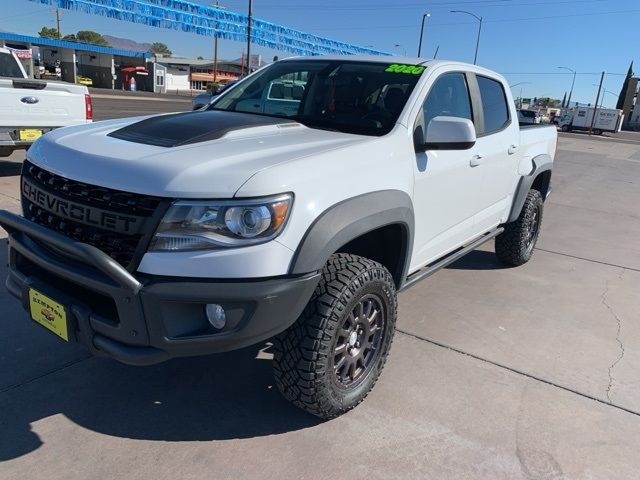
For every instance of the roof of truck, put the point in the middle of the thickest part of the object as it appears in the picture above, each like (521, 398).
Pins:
(389, 59)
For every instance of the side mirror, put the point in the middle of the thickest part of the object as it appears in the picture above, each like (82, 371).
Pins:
(448, 133)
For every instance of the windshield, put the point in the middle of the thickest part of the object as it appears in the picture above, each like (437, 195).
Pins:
(9, 67)
(346, 96)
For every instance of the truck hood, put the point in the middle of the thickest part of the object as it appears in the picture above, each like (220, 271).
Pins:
(206, 154)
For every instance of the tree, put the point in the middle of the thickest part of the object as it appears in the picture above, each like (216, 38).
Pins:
(160, 48)
(46, 32)
(89, 36)
(70, 37)
(200, 57)
(625, 87)
(564, 100)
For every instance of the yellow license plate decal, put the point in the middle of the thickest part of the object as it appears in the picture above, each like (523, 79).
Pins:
(29, 135)
(48, 313)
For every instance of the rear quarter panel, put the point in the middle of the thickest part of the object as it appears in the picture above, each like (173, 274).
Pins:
(536, 140)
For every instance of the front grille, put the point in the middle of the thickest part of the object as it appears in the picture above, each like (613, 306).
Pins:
(120, 246)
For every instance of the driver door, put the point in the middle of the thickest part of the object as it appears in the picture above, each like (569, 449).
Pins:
(447, 183)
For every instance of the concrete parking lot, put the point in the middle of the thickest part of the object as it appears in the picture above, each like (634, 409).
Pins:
(496, 373)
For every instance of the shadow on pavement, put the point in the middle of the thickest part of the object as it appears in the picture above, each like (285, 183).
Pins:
(479, 260)
(9, 168)
(218, 397)
(215, 397)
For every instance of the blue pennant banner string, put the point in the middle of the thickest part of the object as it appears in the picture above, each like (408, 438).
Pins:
(200, 19)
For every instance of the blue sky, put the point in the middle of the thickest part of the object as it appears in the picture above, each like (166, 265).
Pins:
(524, 40)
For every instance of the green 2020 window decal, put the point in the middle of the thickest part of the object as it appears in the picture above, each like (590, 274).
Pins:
(408, 69)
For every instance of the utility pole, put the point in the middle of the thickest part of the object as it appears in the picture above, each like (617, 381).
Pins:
(595, 108)
(58, 22)
(215, 51)
(249, 37)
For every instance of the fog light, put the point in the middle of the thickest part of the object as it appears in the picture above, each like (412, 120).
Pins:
(215, 315)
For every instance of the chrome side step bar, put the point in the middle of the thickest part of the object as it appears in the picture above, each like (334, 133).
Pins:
(449, 258)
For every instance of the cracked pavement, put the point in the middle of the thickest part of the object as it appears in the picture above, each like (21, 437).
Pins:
(496, 373)
(618, 331)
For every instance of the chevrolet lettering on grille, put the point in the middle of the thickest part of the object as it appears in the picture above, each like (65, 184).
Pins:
(106, 220)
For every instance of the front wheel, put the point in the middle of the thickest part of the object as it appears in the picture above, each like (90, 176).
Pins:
(515, 245)
(329, 360)
(565, 128)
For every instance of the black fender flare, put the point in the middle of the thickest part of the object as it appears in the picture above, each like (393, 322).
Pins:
(350, 219)
(541, 163)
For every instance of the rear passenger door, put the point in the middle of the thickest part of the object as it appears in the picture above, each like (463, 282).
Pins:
(497, 146)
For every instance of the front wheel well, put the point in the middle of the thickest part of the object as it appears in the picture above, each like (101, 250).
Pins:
(386, 245)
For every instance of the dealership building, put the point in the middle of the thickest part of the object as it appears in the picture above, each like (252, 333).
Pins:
(112, 68)
(53, 58)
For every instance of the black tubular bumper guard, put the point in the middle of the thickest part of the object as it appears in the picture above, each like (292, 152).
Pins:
(142, 319)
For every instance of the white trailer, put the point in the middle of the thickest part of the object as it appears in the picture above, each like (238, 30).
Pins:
(580, 118)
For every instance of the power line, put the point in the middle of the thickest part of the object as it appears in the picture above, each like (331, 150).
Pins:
(504, 20)
(560, 73)
(432, 6)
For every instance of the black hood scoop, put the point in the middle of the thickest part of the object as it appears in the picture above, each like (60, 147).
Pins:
(188, 128)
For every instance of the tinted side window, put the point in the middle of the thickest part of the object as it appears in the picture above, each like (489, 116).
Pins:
(494, 104)
(448, 96)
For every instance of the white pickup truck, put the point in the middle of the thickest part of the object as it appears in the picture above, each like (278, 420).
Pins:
(30, 108)
(192, 233)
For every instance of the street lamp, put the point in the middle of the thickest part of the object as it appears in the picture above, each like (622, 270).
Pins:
(572, 83)
(424, 17)
(515, 85)
(604, 90)
(475, 57)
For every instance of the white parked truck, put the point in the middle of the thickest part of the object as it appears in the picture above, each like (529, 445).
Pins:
(192, 233)
(580, 118)
(30, 108)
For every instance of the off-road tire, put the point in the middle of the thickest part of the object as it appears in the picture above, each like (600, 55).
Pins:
(304, 355)
(516, 244)
(565, 128)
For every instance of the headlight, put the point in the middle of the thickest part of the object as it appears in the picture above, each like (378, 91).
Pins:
(206, 225)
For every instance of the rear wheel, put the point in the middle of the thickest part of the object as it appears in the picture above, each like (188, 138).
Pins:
(330, 359)
(515, 245)
(565, 128)
(597, 131)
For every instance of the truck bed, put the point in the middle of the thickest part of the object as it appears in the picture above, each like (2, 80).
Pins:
(538, 139)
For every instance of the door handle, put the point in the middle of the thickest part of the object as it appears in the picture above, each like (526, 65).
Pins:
(512, 149)
(476, 160)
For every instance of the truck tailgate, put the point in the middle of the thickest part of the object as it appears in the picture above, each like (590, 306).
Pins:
(36, 103)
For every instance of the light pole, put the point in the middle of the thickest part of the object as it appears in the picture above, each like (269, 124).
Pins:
(520, 83)
(604, 90)
(475, 57)
(572, 84)
(424, 17)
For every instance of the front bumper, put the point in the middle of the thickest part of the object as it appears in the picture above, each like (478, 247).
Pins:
(144, 319)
